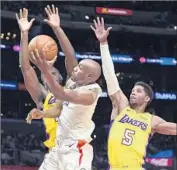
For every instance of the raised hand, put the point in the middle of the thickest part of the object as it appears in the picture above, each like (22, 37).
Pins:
(22, 20)
(34, 114)
(53, 16)
(100, 31)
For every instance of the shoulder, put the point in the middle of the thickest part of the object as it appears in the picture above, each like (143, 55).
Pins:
(127, 109)
(157, 119)
(116, 114)
(68, 83)
(94, 87)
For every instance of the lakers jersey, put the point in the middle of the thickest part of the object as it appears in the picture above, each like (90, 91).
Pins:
(50, 123)
(128, 138)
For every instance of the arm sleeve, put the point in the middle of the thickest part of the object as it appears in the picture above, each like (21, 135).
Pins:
(108, 70)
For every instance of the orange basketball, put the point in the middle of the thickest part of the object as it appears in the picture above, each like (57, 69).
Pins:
(47, 43)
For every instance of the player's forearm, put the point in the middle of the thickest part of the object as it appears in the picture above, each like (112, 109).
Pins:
(172, 128)
(67, 49)
(56, 89)
(52, 112)
(108, 69)
(168, 132)
(172, 132)
(167, 128)
(23, 56)
(29, 75)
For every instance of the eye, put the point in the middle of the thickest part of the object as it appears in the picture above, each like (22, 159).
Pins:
(133, 91)
(139, 90)
(80, 66)
(53, 73)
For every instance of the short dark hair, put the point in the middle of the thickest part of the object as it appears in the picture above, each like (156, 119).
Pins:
(147, 88)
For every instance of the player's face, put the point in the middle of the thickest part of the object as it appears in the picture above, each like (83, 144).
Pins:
(79, 72)
(138, 96)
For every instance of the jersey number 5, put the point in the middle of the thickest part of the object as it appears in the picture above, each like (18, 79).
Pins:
(128, 139)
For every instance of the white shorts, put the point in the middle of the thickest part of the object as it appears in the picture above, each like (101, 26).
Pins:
(69, 157)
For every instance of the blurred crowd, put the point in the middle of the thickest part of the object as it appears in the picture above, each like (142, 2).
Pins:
(20, 149)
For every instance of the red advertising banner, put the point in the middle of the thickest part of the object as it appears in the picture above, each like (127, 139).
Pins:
(15, 167)
(114, 11)
(166, 162)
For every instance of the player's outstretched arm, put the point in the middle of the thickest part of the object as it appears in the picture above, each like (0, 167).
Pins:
(52, 112)
(161, 126)
(31, 81)
(67, 48)
(119, 100)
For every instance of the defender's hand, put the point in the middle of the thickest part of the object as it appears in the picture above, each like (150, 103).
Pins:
(53, 16)
(100, 31)
(34, 114)
(22, 20)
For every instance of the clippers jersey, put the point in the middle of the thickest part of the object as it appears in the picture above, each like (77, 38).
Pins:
(128, 138)
(76, 119)
(50, 123)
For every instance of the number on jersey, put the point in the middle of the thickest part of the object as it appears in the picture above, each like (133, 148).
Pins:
(128, 139)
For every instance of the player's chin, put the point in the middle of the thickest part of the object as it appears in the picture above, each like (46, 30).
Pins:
(133, 101)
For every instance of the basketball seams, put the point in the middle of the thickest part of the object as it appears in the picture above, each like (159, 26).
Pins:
(50, 46)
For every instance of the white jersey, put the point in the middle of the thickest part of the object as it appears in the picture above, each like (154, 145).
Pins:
(75, 121)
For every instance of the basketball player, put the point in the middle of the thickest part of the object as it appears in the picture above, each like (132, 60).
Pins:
(131, 126)
(75, 121)
(38, 92)
(80, 97)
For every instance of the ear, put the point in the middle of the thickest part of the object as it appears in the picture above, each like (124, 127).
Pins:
(147, 99)
(90, 75)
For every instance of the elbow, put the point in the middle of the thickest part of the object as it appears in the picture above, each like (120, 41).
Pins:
(173, 132)
(25, 69)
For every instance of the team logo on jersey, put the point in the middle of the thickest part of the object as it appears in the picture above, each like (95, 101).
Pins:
(72, 86)
(134, 122)
(65, 103)
(52, 100)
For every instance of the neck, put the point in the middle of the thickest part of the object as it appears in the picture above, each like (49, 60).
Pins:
(139, 109)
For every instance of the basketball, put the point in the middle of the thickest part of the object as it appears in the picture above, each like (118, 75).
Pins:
(47, 43)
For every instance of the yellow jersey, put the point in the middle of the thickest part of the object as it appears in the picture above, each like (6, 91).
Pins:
(128, 138)
(50, 123)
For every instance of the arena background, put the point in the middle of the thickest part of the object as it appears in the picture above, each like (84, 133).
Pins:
(143, 44)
